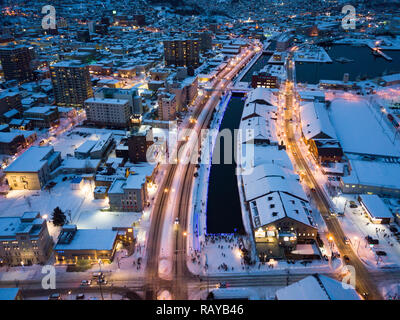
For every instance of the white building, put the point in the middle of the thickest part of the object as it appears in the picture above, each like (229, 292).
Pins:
(108, 112)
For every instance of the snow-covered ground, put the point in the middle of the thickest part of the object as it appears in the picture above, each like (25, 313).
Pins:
(358, 130)
(357, 226)
(391, 291)
(316, 54)
(221, 255)
(73, 202)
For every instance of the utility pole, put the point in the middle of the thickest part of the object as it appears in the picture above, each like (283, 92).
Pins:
(99, 279)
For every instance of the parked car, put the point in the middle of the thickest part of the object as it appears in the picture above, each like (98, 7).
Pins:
(380, 253)
(346, 240)
(55, 296)
(80, 296)
(97, 275)
(371, 240)
(85, 283)
(101, 281)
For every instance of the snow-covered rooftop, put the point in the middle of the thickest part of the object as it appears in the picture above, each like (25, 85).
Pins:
(358, 130)
(90, 239)
(32, 160)
(375, 206)
(317, 287)
(315, 121)
(268, 178)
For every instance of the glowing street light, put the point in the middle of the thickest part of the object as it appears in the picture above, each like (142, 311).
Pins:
(330, 239)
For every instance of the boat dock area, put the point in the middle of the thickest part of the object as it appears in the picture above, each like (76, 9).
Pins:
(379, 52)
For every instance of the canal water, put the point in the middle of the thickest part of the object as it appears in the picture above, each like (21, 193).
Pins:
(223, 204)
(365, 65)
(258, 65)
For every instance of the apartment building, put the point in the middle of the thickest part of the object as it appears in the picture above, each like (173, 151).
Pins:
(108, 112)
(182, 52)
(71, 83)
(138, 144)
(166, 106)
(42, 117)
(17, 63)
(130, 194)
(24, 240)
(9, 100)
(135, 101)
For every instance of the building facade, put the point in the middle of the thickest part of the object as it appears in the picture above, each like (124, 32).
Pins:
(166, 107)
(182, 53)
(32, 169)
(17, 63)
(108, 112)
(24, 240)
(71, 83)
(9, 100)
(42, 117)
(138, 144)
(128, 194)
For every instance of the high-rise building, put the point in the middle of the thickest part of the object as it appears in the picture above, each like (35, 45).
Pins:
(17, 63)
(71, 83)
(182, 53)
(205, 39)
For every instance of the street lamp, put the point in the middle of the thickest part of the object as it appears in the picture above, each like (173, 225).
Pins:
(383, 111)
(100, 280)
(330, 239)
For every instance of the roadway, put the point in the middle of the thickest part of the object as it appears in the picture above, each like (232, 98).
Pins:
(33, 288)
(364, 283)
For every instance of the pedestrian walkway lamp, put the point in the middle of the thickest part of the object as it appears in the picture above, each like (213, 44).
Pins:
(330, 239)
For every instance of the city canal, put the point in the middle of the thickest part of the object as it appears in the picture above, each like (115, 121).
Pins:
(223, 205)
